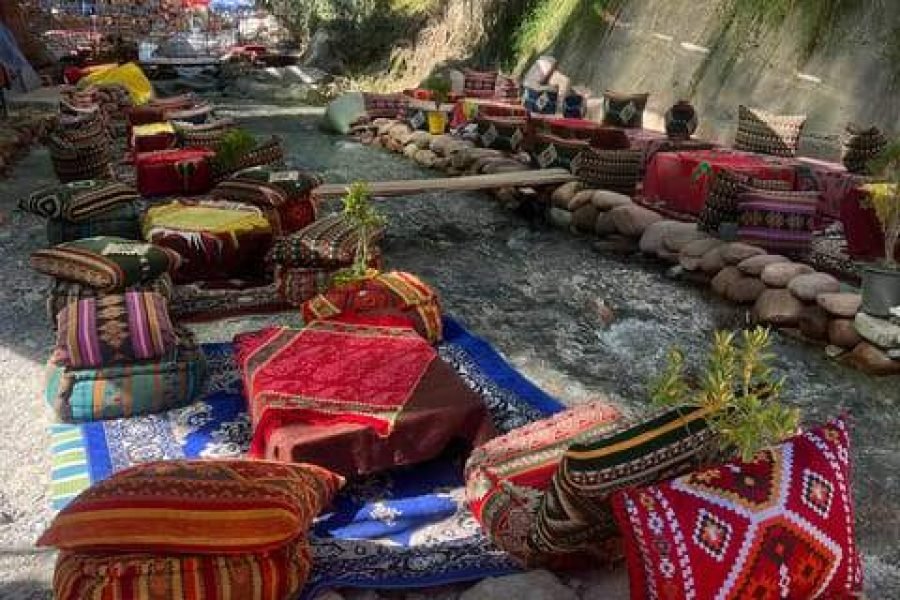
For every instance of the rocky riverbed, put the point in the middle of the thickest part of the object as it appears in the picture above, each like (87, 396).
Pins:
(578, 322)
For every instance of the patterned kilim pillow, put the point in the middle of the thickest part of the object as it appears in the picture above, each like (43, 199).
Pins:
(575, 104)
(123, 221)
(385, 106)
(62, 292)
(207, 135)
(296, 285)
(616, 170)
(541, 99)
(479, 84)
(79, 200)
(506, 477)
(779, 222)
(109, 264)
(575, 513)
(781, 526)
(624, 110)
(329, 242)
(768, 133)
(77, 160)
(114, 329)
(860, 146)
(385, 295)
(721, 204)
(273, 575)
(142, 388)
(501, 133)
(195, 506)
(550, 151)
(506, 89)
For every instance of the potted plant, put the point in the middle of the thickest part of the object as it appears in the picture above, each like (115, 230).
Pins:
(881, 283)
(738, 386)
(362, 214)
(440, 91)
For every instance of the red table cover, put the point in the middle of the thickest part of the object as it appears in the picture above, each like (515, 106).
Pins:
(674, 180)
(834, 183)
(185, 171)
(865, 238)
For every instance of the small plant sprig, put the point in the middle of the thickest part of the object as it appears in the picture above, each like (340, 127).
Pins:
(440, 89)
(362, 214)
(234, 145)
(886, 197)
(740, 389)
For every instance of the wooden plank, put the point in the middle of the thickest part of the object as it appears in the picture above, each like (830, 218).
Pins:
(530, 178)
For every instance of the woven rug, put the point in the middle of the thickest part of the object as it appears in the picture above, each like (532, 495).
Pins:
(405, 528)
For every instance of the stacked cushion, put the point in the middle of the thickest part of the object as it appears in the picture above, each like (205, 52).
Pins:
(550, 151)
(541, 99)
(479, 84)
(123, 221)
(180, 171)
(62, 292)
(385, 106)
(624, 110)
(781, 526)
(722, 202)
(330, 242)
(506, 89)
(270, 152)
(153, 137)
(778, 222)
(767, 133)
(615, 170)
(506, 477)
(860, 146)
(82, 157)
(501, 133)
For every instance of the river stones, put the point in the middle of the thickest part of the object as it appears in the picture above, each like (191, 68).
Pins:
(691, 255)
(744, 290)
(813, 323)
(652, 239)
(584, 218)
(844, 305)
(778, 275)
(564, 194)
(580, 199)
(755, 264)
(808, 287)
(725, 278)
(426, 158)
(560, 218)
(676, 238)
(777, 307)
(632, 220)
(735, 252)
(604, 225)
(607, 200)
(842, 333)
(422, 139)
(712, 262)
(870, 359)
(878, 331)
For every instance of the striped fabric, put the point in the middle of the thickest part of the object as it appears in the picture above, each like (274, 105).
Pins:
(195, 506)
(575, 514)
(296, 285)
(779, 222)
(122, 221)
(329, 242)
(61, 292)
(82, 395)
(79, 200)
(285, 196)
(721, 204)
(69, 474)
(479, 84)
(549, 151)
(385, 106)
(114, 329)
(615, 170)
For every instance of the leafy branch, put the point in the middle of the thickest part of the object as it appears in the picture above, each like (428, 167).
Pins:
(365, 218)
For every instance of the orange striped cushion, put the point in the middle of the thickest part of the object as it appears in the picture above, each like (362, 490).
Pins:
(193, 506)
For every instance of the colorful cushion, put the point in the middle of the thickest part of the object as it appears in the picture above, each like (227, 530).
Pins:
(506, 477)
(501, 133)
(79, 159)
(114, 329)
(616, 170)
(270, 152)
(721, 204)
(296, 285)
(206, 135)
(328, 243)
(768, 133)
(575, 513)
(624, 110)
(153, 137)
(273, 575)
(860, 146)
(540, 99)
(778, 222)
(109, 264)
(62, 292)
(195, 506)
(550, 151)
(79, 200)
(395, 293)
(781, 526)
(197, 114)
(479, 84)
(168, 172)
(385, 106)
(575, 104)
(123, 221)
(112, 392)
(506, 89)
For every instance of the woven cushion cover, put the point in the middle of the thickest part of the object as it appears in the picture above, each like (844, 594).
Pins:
(385, 106)
(396, 294)
(79, 200)
(153, 137)
(185, 171)
(195, 506)
(722, 203)
(479, 84)
(768, 133)
(114, 329)
(273, 575)
(329, 242)
(550, 151)
(576, 514)
(108, 264)
(860, 146)
(506, 477)
(62, 292)
(112, 392)
(624, 110)
(540, 99)
(296, 285)
(616, 170)
(123, 221)
(501, 133)
(270, 152)
(781, 526)
(779, 222)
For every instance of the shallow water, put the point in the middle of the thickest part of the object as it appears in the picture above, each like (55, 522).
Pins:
(532, 291)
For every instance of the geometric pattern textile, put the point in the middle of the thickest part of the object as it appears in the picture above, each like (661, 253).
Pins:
(624, 110)
(778, 222)
(721, 204)
(330, 242)
(78, 200)
(780, 526)
(767, 133)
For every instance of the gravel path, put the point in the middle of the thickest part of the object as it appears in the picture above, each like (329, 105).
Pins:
(531, 291)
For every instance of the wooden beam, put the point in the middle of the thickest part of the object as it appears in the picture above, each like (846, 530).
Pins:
(531, 178)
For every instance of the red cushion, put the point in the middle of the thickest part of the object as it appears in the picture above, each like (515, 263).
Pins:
(185, 171)
(781, 526)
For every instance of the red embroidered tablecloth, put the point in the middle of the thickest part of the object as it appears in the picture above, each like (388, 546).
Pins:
(674, 180)
(833, 182)
(330, 373)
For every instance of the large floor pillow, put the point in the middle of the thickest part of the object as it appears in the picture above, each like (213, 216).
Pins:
(216, 240)
(355, 398)
(206, 135)
(179, 171)
(296, 285)
(767, 133)
(79, 200)
(123, 221)
(778, 222)
(330, 242)
(779, 526)
(576, 513)
(80, 159)
(392, 294)
(721, 204)
(549, 151)
(614, 170)
(107, 264)
(506, 478)
(62, 292)
(624, 110)
(286, 197)
(148, 387)
(268, 153)
(501, 133)
(153, 137)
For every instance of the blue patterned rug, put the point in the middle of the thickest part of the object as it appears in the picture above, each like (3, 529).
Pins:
(405, 528)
